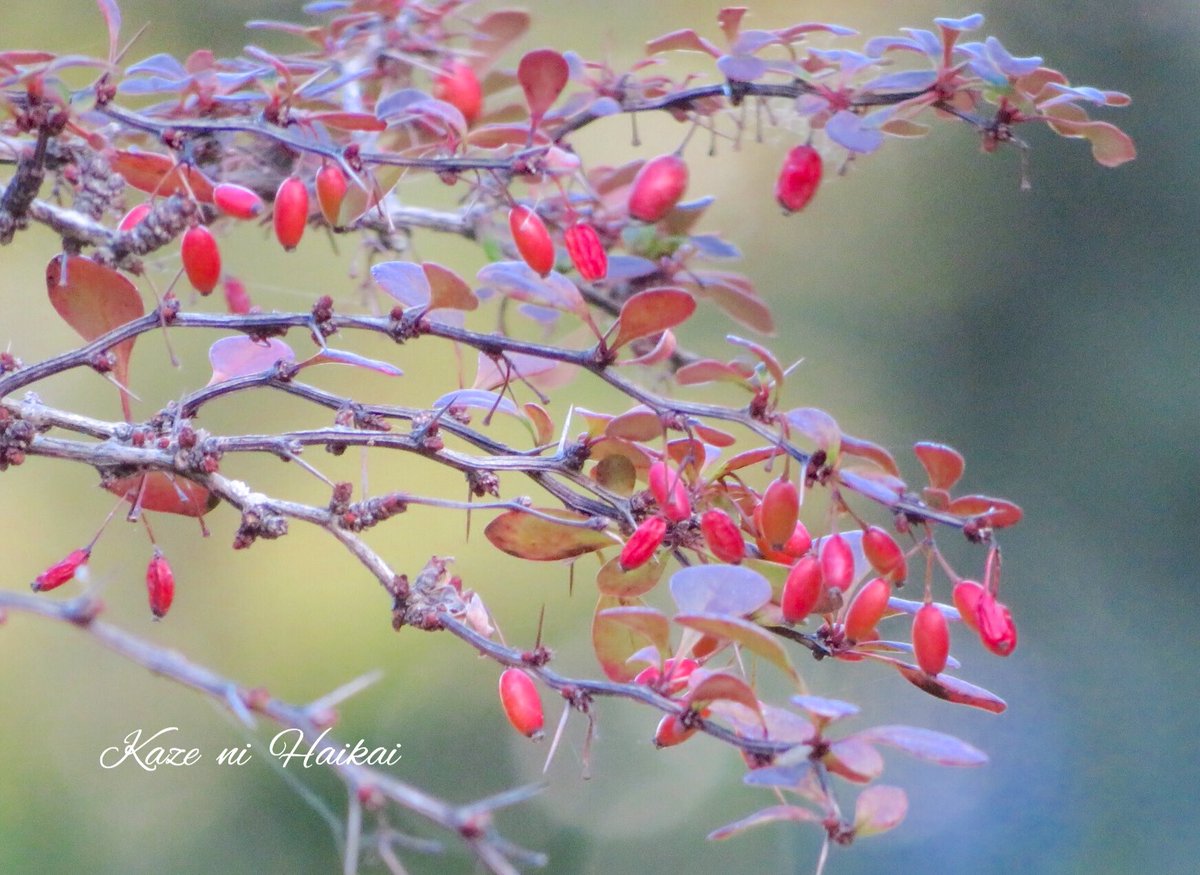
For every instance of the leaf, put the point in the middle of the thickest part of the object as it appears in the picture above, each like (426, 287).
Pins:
(754, 638)
(651, 311)
(94, 300)
(619, 631)
(854, 759)
(734, 294)
(774, 814)
(926, 744)
(763, 354)
(825, 710)
(819, 427)
(543, 425)
(447, 289)
(864, 449)
(725, 590)
(517, 280)
(543, 74)
(711, 371)
(995, 512)
(943, 464)
(854, 132)
(241, 356)
(348, 121)
(164, 493)
(160, 175)
(403, 280)
(477, 399)
(637, 424)
(531, 537)
(720, 685)
(612, 580)
(512, 367)
(494, 33)
(685, 40)
(879, 809)
(789, 775)
(329, 355)
(112, 21)
(950, 688)
(617, 474)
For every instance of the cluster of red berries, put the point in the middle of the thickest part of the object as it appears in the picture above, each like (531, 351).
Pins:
(160, 579)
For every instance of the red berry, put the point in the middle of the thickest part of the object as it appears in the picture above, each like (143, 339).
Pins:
(884, 554)
(671, 679)
(586, 251)
(331, 191)
(291, 212)
(134, 217)
(931, 638)
(780, 507)
(996, 627)
(160, 584)
(867, 609)
(798, 178)
(532, 239)
(801, 590)
(643, 543)
(657, 187)
(521, 702)
(967, 594)
(670, 492)
(201, 258)
(458, 86)
(62, 571)
(837, 562)
(671, 731)
(722, 536)
(799, 543)
(236, 298)
(237, 201)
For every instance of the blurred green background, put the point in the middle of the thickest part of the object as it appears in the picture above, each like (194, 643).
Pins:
(1051, 335)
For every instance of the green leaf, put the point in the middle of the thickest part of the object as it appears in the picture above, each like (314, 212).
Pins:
(612, 580)
(527, 536)
(742, 632)
(620, 630)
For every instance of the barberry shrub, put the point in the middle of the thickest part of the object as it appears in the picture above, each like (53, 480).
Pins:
(723, 544)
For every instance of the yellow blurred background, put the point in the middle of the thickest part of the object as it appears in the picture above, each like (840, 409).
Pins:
(1050, 335)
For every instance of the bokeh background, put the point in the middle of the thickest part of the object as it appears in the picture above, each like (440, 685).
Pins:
(1052, 335)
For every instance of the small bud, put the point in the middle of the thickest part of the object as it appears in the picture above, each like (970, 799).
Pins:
(160, 584)
(867, 609)
(722, 536)
(643, 543)
(521, 702)
(62, 571)
(931, 638)
(801, 590)
(291, 212)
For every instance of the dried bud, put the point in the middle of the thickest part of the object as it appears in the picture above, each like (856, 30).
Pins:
(160, 584)
(62, 571)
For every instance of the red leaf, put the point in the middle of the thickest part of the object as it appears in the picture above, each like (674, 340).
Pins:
(864, 449)
(686, 40)
(94, 300)
(711, 371)
(749, 635)
(995, 512)
(651, 311)
(164, 493)
(719, 685)
(160, 175)
(943, 464)
(543, 74)
(494, 33)
(348, 121)
(879, 809)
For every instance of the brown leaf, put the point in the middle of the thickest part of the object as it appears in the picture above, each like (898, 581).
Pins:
(527, 536)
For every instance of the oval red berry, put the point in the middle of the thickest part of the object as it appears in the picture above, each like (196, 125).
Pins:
(160, 585)
(931, 639)
(237, 201)
(532, 239)
(586, 251)
(657, 187)
(201, 258)
(331, 191)
(521, 702)
(291, 212)
(798, 178)
(458, 86)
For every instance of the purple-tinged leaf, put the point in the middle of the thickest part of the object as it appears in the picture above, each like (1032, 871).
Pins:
(881, 45)
(728, 590)
(161, 64)
(854, 759)
(774, 814)
(818, 427)
(403, 280)
(343, 357)
(240, 356)
(629, 267)
(750, 41)
(448, 290)
(712, 246)
(748, 635)
(491, 373)
(970, 22)
(685, 40)
(908, 80)
(398, 102)
(477, 399)
(944, 686)
(790, 34)
(854, 132)
(879, 809)
(516, 280)
(1006, 63)
(1085, 92)
(112, 21)
(789, 776)
(926, 744)
(825, 710)
(742, 68)
(926, 39)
